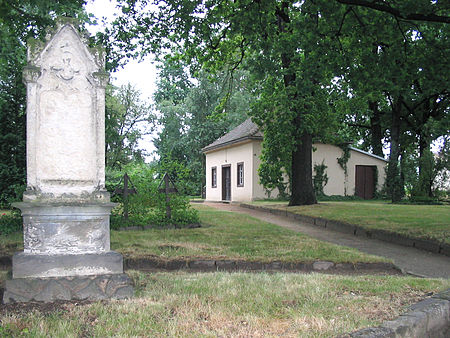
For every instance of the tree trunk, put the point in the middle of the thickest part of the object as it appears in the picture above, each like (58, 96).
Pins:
(302, 185)
(375, 129)
(425, 166)
(302, 190)
(393, 180)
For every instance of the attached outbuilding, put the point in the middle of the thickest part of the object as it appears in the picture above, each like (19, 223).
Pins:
(232, 163)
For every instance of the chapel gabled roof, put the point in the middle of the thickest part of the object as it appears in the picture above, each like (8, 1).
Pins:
(245, 131)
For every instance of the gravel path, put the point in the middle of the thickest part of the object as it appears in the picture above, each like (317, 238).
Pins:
(410, 260)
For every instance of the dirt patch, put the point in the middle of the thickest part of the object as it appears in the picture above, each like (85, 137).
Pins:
(43, 308)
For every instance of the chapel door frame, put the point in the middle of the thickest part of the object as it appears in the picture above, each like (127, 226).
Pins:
(364, 181)
(226, 182)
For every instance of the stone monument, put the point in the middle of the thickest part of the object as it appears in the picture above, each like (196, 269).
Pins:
(66, 207)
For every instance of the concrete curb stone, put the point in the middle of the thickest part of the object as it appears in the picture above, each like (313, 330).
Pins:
(205, 265)
(445, 249)
(357, 230)
(154, 263)
(427, 318)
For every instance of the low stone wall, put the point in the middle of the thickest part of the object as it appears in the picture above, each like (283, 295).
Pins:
(428, 318)
(206, 265)
(158, 227)
(357, 230)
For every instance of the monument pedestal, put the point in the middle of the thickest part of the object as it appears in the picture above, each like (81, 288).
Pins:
(116, 286)
(66, 255)
(89, 264)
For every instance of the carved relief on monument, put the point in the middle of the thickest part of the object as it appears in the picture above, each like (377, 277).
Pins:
(74, 236)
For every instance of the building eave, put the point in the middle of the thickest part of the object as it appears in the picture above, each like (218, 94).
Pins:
(369, 154)
(228, 144)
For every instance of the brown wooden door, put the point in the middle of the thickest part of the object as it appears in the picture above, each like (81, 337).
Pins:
(226, 183)
(364, 184)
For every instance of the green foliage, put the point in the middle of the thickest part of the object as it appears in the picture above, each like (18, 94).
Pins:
(127, 119)
(344, 158)
(422, 187)
(10, 222)
(188, 120)
(143, 178)
(148, 206)
(339, 198)
(182, 214)
(320, 178)
(394, 184)
(328, 69)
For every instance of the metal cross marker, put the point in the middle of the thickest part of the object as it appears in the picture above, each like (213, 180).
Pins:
(169, 187)
(125, 192)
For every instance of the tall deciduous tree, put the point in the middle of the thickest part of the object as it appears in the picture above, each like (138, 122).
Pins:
(282, 42)
(127, 120)
(187, 119)
(297, 51)
(389, 66)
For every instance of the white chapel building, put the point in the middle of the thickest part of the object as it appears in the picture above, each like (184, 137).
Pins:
(232, 163)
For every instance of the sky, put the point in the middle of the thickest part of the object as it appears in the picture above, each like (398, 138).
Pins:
(140, 74)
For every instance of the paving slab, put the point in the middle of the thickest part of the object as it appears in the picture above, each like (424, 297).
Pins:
(410, 260)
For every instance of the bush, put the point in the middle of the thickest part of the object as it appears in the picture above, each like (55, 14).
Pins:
(148, 206)
(10, 223)
(421, 200)
(182, 213)
(337, 198)
(320, 178)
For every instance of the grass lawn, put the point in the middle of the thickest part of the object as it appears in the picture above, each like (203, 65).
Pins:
(227, 235)
(223, 304)
(223, 235)
(424, 221)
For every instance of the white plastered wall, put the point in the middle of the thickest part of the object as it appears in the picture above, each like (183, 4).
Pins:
(358, 158)
(237, 153)
(338, 183)
(249, 153)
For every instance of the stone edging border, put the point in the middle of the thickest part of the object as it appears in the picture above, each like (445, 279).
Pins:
(210, 265)
(357, 230)
(427, 318)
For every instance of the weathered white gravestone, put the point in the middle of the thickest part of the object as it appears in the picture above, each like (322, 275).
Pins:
(66, 207)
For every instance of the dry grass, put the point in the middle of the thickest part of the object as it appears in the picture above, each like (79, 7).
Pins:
(232, 305)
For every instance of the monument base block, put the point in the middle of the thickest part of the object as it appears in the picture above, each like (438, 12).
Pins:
(44, 266)
(115, 286)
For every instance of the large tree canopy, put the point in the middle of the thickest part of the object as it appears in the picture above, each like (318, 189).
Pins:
(127, 120)
(187, 118)
(274, 40)
(306, 58)
(430, 11)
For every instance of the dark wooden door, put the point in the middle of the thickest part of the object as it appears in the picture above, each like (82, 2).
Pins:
(226, 183)
(364, 184)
